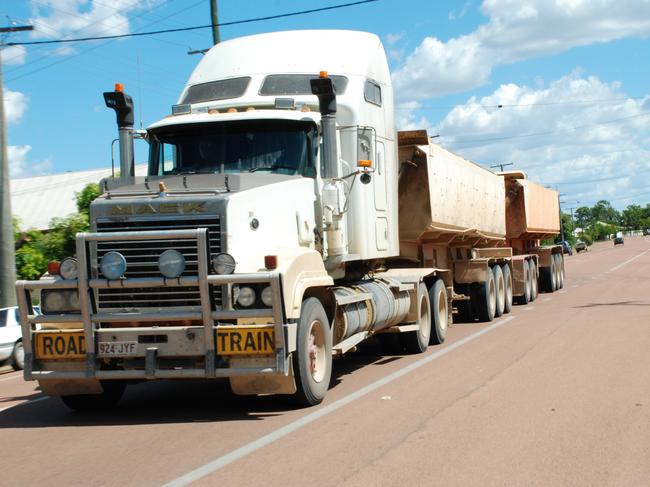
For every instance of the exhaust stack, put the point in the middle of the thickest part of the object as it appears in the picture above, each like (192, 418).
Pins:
(123, 106)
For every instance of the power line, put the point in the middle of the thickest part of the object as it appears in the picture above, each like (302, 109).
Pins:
(519, 105)
(185, 29)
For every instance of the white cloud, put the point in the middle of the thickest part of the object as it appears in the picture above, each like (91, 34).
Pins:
(516, 30)
(15, 105)
(580, 133)
(84, 18)
(13, 55)
(17, 159)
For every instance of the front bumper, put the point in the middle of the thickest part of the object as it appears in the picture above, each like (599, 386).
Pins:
(171, 354)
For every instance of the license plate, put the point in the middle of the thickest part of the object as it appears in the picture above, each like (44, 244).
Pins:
(245, 340)
(59, 345)
(117, 349)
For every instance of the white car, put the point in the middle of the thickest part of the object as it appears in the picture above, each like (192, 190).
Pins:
(11, 337)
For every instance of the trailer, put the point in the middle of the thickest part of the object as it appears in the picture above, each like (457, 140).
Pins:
(282, 222)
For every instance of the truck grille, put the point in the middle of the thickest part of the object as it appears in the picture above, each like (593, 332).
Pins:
(142, 261)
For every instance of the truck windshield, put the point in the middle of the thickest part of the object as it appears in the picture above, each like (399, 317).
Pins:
(279, 146)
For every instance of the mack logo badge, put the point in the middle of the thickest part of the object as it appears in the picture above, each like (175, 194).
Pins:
(151, 209)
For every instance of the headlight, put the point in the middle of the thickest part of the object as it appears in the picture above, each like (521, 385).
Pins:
(59, 301)
(267, 296)
(246, 296)
(113, 265)
(223, 263)
(69, 268)
(171, 263)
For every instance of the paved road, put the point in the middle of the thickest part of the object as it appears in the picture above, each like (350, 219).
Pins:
(556, 393)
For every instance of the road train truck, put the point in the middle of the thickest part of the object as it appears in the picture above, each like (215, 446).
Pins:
(282, 221)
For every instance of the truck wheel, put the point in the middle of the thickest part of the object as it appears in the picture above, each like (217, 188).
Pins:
(18, 356)
(500, 291)
(113, 391)
(525, 298)
(312, 359)
(486, 298)
(553, 274)
(533, 280)
(439, 312)
(507, 285)
(417, 341)
(559, 266)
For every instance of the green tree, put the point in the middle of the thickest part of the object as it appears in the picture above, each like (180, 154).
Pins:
(583, 217)
(86, 196)
(633, 215)
(604, 212)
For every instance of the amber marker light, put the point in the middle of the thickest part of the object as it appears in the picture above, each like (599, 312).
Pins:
(323, 74)
(364, 163)
(53, 267)
(119, 87)
(271, 261)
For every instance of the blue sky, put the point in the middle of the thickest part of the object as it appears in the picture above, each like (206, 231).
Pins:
(571, 77)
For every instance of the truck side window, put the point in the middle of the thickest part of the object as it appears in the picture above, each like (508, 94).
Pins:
(372, 93)
(3, 318)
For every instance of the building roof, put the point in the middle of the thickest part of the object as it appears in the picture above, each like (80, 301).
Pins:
(36, 200)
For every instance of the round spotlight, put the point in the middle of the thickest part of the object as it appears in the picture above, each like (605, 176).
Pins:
(267, 296)
(113, 265)
(223, 263)
(53, 301)
(69, 268)
(171, 263)
(246, 296)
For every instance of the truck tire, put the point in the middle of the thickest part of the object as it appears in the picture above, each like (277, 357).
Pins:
(417, 341)
(553, 274)
(534, 290)
(113, 391)
(486, 298)
(559, 266)
(439, 312)
(18, 356)
(500, 291)
(312, 359)
(507, 284)
(525, 298)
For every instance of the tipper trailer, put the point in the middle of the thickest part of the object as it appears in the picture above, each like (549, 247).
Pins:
(282, 221)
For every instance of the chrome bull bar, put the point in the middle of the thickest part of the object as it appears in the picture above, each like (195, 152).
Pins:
(89, 317)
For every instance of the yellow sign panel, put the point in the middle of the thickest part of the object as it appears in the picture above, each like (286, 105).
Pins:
(245, 340)
(59, 345)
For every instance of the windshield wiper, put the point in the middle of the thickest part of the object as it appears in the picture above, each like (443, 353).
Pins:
(271, 168)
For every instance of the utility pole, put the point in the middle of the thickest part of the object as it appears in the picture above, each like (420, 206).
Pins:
(559, 204)
(501, 166)
(214, 16)
(7, 253)
(214, 20)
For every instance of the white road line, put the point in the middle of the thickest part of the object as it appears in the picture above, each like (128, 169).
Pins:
(228, 458)
(38, 399)
(628, 261)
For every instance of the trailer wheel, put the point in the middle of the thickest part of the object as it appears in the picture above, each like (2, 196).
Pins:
(533, 280)
(417, 341)
(507, 284)
(500, 291)
(439, 312)
(113, 391)
(559, 265)
(553, 274)
(486, 298)
(525, 298)
(312, 360)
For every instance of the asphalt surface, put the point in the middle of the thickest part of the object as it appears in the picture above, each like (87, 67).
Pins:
(555, 393)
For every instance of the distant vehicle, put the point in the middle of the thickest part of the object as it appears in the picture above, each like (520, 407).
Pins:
(566, 247)
(618, 240)
(11, 337)
(646, 231)
(580, 246)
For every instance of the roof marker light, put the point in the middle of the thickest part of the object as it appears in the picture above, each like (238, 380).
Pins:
(119, 87)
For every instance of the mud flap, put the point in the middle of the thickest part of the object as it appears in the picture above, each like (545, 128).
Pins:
(244, 385)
